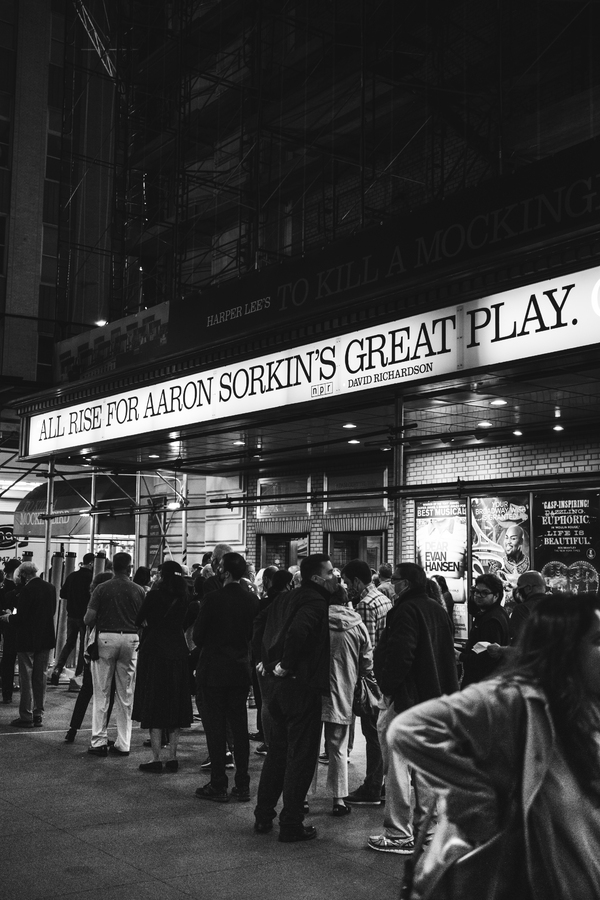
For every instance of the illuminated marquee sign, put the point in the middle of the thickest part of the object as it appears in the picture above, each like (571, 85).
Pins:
(563, 313)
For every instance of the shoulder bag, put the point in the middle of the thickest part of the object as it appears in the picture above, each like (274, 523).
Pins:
(366, 696)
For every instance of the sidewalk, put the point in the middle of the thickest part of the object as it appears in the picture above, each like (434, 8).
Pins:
(82, 828)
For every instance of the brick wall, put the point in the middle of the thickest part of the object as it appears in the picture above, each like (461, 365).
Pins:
(481, 463)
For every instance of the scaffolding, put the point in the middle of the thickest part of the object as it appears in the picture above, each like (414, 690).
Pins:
(242, 134)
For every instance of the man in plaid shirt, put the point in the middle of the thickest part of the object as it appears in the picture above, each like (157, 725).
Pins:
(373, 607)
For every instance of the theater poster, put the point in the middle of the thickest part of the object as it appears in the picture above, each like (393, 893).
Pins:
(500, 533)
(566, 532)
(441, 545)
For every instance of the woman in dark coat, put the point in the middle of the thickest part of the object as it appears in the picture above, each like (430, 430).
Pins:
(162, 698)
(490, 624)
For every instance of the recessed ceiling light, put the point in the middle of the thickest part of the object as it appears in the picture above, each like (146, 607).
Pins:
(518, 433)
(349, 425)
(154, 456)
(485, 424)
(354, 441)
(558, 428)
(239, 443)
(498, 402)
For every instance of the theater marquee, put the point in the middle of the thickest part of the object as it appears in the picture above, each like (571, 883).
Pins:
(551, 316)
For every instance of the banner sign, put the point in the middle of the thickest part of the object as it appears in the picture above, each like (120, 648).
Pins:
(567, 540)
(500, 537)
(554, 315)
(535, 203)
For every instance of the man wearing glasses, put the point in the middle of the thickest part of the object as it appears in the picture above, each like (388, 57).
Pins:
(414, 661)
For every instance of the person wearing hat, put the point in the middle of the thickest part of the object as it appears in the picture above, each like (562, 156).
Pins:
(76, 591)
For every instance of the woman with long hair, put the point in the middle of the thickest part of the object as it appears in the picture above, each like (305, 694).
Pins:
(519, 754)
(162, 700)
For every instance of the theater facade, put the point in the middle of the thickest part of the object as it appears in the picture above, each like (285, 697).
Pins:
(427, 390)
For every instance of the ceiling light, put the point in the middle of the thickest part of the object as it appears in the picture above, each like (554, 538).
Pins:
(518, 433)
(154, 456)
(558, 428)
(354, 441)
(557, 413)
(349, 425)
(239, 443)
(174, 504)
(385, 448)
(498, 402)
(101, 323)
(485, 424)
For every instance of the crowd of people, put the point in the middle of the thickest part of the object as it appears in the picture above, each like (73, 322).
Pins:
(459, 739)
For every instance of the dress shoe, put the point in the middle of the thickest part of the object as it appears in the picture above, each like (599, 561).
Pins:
(340, 810)
(37, 722)
(292, 833)
(240, 794)
(151, 767)
(208, 792)
(114, 751)
(172, 765)
(54, 678)
(22, 723)
(70, 735)
(263, 827)
(99, 751)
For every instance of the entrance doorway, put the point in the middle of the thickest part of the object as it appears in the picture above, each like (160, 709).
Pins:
(282, 550)
(342, 547)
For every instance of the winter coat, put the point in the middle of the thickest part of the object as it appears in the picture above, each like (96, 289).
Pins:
(474, 747)
(490, 624)
(350, 656)
(414, 659)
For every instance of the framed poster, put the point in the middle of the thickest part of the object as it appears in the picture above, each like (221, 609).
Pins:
(500, 542)
(441, 549)
(566, 532)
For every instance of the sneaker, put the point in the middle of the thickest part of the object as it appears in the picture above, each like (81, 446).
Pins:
(22, 723)
(241, 794)
(361, 797)
(229, 763)
(37, 722)
(324, 759)
(114, 751)
(385, 844)
(206, 763)
(208, 792)
(262, 750)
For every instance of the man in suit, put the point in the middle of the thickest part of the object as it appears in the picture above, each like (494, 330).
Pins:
(222, 633)
(36, 637)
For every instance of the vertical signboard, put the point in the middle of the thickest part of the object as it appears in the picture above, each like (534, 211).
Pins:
(157, 525)
(500, 543)
(441, 549)
(567, 540)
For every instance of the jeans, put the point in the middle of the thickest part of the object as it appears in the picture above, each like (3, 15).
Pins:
(374, 777)
(398, 821)
(118, 658)
(32, 672)
(75, 629)
(9, 658)
(293, 741)
(223, 705)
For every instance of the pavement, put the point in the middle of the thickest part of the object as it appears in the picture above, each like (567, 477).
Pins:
(82, 828)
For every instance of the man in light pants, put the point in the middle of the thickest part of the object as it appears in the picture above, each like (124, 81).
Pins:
(113, 607)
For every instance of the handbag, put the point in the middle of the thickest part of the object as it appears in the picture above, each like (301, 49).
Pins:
(366, 696)
(452, 870)
(91, 651)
